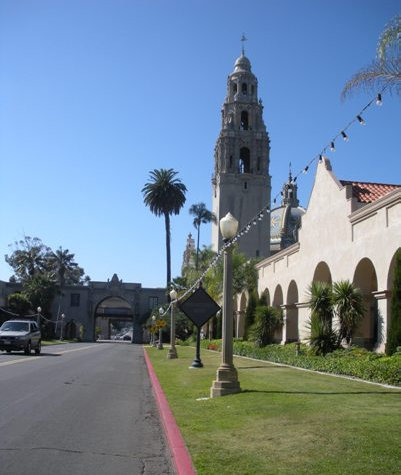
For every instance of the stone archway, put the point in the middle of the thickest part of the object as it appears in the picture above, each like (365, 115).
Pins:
(278, 302)
(291, 320)
(113, 318)
(322, 273)
(368, 332)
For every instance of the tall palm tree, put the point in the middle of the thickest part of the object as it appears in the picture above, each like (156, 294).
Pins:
(201, 216)
(385, 70)
(62, 264)
(165, 195)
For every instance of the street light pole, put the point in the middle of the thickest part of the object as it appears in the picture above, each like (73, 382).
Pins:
(172, 352)
(227, 378)
(160, 344)
(153, 330)
(62, 326)
(39, 310)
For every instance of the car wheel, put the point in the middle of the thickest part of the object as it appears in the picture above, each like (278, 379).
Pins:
(28, 348)
(38, 348)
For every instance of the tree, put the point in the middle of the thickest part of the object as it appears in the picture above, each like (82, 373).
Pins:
(201, 216)
(165, 195)
(267, 321)
(40, 290)
(62, 266)
(385, 70)
(28, 258)
(394, 332)
(250, 312)
(322, 337)
(349, 308)
(19, 303)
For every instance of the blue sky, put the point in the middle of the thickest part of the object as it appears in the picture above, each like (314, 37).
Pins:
(96, 93)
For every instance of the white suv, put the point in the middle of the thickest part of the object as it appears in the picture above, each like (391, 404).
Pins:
(20, 335)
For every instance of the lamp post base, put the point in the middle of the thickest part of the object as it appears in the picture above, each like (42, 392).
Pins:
(226, 382)
(172, 353)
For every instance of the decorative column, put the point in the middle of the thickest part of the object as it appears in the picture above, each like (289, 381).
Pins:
(383, 298)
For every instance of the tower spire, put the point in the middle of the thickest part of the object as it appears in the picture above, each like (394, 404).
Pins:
(243, 39)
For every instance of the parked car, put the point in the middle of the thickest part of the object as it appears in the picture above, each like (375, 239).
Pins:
(20, 335)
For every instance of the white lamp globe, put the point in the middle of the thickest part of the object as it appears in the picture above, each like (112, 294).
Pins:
(228, 226)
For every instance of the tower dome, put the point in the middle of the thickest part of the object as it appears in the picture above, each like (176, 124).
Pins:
(242, 64)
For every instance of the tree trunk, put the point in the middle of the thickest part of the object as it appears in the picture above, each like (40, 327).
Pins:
(168, 254)
(197, 249)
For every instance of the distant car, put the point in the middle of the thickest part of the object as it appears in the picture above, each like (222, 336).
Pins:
(20, 335)
(127, 337)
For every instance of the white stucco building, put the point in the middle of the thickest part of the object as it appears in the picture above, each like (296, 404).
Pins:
(351, 230)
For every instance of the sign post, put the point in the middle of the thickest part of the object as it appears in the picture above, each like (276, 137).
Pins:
(199, 308)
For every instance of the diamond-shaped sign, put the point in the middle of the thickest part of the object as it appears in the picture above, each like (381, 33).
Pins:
(199, 307)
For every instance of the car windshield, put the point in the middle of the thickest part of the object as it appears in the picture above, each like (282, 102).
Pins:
(15, 327)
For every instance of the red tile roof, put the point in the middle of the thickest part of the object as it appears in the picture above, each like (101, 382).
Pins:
(369, 192)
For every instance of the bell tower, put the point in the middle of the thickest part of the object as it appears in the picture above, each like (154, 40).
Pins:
(241, 180)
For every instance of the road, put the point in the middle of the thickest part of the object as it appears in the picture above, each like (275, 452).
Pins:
(84, 408)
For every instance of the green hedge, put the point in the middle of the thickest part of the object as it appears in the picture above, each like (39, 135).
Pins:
(356, 362)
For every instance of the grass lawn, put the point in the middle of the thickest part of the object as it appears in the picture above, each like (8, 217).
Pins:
(284, 421)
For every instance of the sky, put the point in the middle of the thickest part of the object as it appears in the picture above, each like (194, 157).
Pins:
(96, 93)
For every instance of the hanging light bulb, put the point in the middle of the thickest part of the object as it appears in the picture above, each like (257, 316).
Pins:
(332, 147)
(320, 158)
(361, 120)
(255, 222)
(274, 200)
(294, 179)
(345, 136)
(305, 170)
(379, 101)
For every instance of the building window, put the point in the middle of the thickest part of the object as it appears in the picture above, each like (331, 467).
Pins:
(257, 252)
(244, 88)
(244, 120)
(245, 185)
(153, 302)
(235, 88)
(75, 300)
(244, 160)
(231, 161)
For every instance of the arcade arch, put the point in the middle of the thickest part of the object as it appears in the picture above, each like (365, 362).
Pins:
(322, 273)
(292, 313)
(278, 302)
(365, 279)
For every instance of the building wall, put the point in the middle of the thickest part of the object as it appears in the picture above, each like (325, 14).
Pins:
(338, 240)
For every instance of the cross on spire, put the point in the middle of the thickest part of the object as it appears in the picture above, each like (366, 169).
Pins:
(243, 39)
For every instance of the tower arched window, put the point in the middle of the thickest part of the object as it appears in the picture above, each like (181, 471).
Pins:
(244, 160)
(235, 88)
(244, 120)
(244, 88)
(230, 163)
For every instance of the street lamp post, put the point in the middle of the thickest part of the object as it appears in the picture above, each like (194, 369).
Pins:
(39, 310)
(160, 344)
(62, 326)
(153, 333)
(227, 378)
(172, 352)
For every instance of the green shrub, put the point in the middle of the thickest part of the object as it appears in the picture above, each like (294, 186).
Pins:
(394, 332)
(267, 321)
(353, 361)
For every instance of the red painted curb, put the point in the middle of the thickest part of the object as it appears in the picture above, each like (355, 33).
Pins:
(181, 459)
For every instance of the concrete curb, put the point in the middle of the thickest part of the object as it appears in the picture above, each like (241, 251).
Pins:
(181, 459)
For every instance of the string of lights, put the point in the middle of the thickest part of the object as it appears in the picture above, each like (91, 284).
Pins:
(331, 145)
(265, 210)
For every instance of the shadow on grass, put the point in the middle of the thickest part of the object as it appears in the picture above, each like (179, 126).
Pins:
(265, 366)
(321, 393)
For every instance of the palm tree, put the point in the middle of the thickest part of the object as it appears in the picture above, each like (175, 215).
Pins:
(201, 215)
(28, 258)
(62, 264)
(348, 302)
(165, 195)
(385, 70)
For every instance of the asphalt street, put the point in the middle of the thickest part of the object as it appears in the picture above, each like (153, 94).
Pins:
(84, 408)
